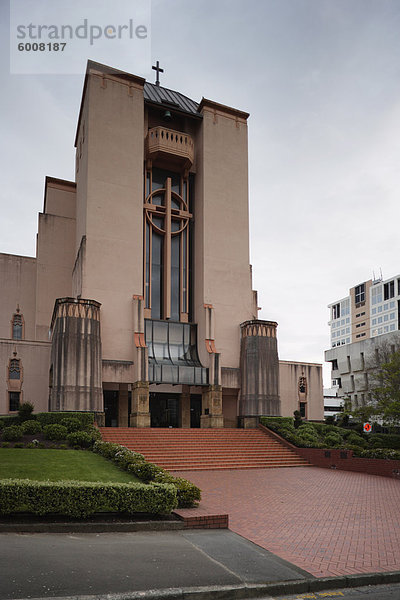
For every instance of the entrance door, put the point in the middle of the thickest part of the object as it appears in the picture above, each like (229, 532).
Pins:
(111, 398)
(195, 410)
(164, 410)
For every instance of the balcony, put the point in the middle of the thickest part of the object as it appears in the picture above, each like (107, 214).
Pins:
(169, 144)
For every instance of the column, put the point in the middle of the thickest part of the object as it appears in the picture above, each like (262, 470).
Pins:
(140, 415)
(185, 407)
(123, 405)
(211, 405)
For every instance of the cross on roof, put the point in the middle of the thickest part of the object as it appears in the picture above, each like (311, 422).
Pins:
(159, 70)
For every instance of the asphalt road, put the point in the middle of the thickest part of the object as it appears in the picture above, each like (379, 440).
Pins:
(45, 565)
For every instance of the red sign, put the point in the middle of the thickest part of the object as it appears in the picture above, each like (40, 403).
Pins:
(367, 427)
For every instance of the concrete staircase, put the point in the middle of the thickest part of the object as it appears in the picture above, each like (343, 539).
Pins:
(205, 449)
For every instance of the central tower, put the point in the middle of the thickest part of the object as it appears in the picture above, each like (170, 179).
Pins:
(162, 249)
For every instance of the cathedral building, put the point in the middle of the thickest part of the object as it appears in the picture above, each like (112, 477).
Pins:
(139, 303)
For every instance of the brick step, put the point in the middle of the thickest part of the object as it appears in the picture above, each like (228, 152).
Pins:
(225, 458)
(202, 449)
(220, 468)
(206, 456)
(216, 444)
(202, 455)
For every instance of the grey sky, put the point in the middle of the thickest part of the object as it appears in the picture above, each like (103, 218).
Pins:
(321, 80)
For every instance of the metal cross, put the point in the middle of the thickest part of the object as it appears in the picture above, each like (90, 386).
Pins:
(159, 70)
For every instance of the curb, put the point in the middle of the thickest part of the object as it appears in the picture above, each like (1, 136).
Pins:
(85, 527)
(237, 592)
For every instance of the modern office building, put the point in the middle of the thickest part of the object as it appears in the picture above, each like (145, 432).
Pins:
(139, 303)
(333, 403)
(367, 318)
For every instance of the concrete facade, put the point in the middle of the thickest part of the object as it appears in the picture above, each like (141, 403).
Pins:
(300, 388)
(351, 365)
(141, 289)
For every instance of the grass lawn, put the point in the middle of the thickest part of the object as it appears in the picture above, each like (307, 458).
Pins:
(57, 465)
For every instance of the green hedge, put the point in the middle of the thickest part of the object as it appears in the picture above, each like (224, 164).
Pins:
(13, 433)
(83, 439)
(51, 418)
(31, 427)
(55, 432)
(81, 499)
(9, 420)
(188, 494)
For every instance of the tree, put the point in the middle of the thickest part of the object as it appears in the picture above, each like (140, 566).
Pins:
(25, 411)
(386, 389)
(383, 367)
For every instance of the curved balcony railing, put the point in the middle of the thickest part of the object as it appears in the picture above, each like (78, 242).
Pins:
(167, 142)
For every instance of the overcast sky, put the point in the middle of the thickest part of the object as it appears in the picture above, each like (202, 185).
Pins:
(321, 81)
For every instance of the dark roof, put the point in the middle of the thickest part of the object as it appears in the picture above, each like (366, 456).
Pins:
(168, 98)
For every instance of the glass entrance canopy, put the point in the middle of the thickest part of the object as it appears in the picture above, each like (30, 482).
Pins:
(173, 356)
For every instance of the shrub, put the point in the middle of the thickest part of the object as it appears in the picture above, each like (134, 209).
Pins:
(273, 422)
(52, 418)
(31, 427)
(134, 462)
(9, 420)
(297, 419)
(343, 420)
(122, 455)
(356, 440)
(81, 499)
(332, 439)
(83, 439)
(330, 420)
(188, 494)
(33, 444)
(385, 440)
(307, 429)
(25, 411)
(307, 441)
(18, 445)
(13, 433)
(386, 453)
(55, 432)
(5, 444)
(144, 470)
(72, 424)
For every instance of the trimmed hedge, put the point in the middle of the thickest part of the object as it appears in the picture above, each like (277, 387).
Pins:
(82, 499)
(52, 418)
(72, 424)
(188, 494)
(7, 421)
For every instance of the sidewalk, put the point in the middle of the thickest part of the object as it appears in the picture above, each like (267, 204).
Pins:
(327, 522)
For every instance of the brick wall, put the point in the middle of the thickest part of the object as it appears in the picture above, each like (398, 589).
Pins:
(342, 459)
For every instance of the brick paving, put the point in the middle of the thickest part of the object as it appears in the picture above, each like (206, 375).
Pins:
(327, 522)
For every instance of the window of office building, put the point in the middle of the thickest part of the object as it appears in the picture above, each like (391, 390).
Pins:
(376, 294)
(359, 293)
(388, 290)
(336, 311)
